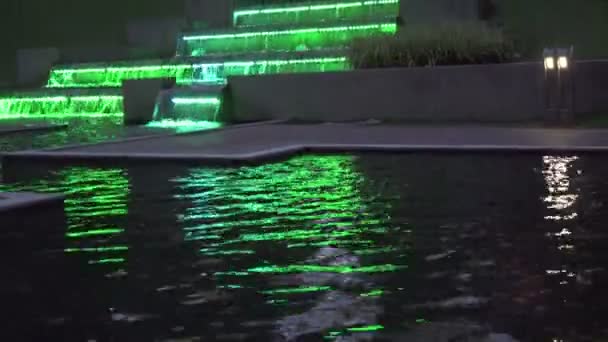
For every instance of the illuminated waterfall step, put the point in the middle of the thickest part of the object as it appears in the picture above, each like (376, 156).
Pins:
(47, 104)
(300, 39)
(298, 14)
(189, 104)
(188, 73)
(192, 104)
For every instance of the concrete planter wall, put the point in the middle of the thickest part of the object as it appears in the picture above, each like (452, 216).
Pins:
(483, 93)
(591, 87)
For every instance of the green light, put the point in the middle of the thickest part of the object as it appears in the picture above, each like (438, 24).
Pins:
(219, 72)
(185, 125)
(384, 27)
(196, 101)
(353, 10)
(95, 232)
(374, 293)
(203, 109)
(211, 252)
(213, 73)
(96, 200)
(231, 273)
(112, 76)
(59, 106)
(283, 204)
(285, 40)
(58, 115)
(374, 327)
(326, 269)
(96, 249)
(301, 289)
(107, 261)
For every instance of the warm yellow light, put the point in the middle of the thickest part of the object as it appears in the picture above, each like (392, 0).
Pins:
(549, 63)
(562, 62)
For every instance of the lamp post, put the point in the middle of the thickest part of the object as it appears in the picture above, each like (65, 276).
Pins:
(559, 82)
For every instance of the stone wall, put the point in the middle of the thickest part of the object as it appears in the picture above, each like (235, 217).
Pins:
(477, 93)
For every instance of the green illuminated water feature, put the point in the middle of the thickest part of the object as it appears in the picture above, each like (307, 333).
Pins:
(316, 13)
(113, 76)
(187, 108)
(60, 106)
(301, 39)
(277, 40)
(95, 206)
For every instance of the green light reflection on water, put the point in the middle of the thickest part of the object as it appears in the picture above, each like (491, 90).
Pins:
(307, 202)
(374, 327)
(97, 249)
(273, 223)
(373, 293)
(331, 269)
(95, 204)
(301, 289)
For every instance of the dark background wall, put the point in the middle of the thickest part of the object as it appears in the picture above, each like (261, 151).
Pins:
(539, 23)
(90, 23)
(63, 23)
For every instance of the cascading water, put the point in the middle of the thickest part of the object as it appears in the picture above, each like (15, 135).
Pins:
(58, 106)
(277, 39)
(186, 109)
(112, 76)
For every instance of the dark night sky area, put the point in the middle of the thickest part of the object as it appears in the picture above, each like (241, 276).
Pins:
(31, 23)
(43, 23)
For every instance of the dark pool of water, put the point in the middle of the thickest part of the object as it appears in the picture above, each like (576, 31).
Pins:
(347, 248)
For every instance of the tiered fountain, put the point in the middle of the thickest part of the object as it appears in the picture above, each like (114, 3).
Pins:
(263, 40)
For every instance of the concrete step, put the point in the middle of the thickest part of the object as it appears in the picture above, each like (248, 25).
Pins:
(199, 103)
(212, 69)
(306, 13)
(286, 39)
(59, 103)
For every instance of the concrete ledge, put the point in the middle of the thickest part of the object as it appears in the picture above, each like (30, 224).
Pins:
(16, 128)
(255, 144)
(492, 93)
(473, 93)
(154, 136)
(139, 98)
(20, 200)
(27, 217)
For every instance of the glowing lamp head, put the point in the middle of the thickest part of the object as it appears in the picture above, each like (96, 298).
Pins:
(549, 63)
(562, 62)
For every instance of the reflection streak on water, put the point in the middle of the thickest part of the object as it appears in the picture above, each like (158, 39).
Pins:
(560, 200)
(95, 204)
(310, 206)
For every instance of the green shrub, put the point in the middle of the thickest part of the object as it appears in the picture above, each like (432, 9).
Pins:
(439, 45)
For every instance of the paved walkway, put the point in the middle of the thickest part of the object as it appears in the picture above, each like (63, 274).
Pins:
(253, 143)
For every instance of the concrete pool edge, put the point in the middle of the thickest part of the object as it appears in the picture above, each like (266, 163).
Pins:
(146, 137)
(260, 142)
(286, 152)
(41, 128)
(10, 201)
